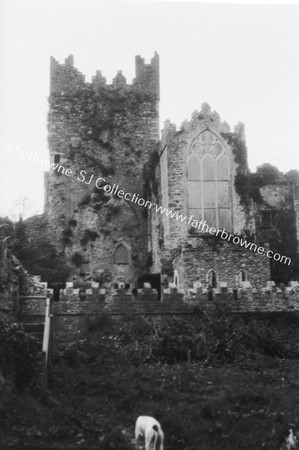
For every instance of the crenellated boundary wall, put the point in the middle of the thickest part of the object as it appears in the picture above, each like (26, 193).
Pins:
(77, 306)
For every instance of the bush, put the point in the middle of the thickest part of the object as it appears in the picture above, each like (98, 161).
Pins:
(132, 329)
(18, 354)
(77, 259)
(277, 339)
(114, 439)
(101, 323)
(34, 248)
(178, 340)
(207, 336)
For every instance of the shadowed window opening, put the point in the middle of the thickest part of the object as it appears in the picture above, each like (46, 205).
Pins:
(121, 255)
(212, 278)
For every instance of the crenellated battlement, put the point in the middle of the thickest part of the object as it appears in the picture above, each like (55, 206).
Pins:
(67, 79)
(147, 75)
(119, 81)
(200, 120)
(208, 118)
(98, 80)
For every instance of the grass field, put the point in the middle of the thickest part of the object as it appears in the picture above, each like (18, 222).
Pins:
(236, 398)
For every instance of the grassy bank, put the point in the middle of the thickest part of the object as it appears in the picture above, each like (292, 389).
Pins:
(214, 382)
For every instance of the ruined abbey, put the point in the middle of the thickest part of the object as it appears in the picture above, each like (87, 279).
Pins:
(111, 171)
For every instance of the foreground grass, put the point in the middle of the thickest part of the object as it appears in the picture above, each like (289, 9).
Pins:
(99, 388)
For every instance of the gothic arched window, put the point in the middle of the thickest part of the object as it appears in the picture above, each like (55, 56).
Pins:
(121, 255)
(242, 277)
(212, 278)
(209, 182)
(176, 279)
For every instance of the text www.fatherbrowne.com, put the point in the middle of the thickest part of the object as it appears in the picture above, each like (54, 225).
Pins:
(191, 221)
(203, 226)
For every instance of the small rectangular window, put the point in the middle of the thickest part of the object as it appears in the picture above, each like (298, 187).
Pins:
(269, 219)
(56, 159)
(82, 295)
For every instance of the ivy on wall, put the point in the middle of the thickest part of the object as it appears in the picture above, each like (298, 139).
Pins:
(77, 259)
(33, 247)
(88, 235)
(248, 184)
(282, 240)
(151, 184)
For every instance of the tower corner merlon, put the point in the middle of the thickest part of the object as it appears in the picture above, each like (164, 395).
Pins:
(65, 78)
(53, 71)
(147, 75)
(119, 81)
(69, 60)
(98, 79)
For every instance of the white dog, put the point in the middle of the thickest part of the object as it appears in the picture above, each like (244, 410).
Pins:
(151, 430)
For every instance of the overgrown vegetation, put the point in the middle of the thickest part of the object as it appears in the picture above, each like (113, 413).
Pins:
(96, 165)
(97, 199)
(33, 247)
(239, 148)
(88, 235)
(211, 381)
(282, 240)
(102, 111)
(116, 103)
(248, 184)
(208, 336)
(77, 259)
(151, 183)
(72, 223)
(18, 355)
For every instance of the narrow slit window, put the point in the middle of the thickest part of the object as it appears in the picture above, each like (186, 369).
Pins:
(212, 278)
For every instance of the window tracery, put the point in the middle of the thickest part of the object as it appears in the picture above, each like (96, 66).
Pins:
(209, 181)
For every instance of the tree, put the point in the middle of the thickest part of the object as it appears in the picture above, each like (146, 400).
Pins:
(33, 247)
(267, 174)
(292, 176)
(22, 208)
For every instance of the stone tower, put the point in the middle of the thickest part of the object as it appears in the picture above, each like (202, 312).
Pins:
(101, 135)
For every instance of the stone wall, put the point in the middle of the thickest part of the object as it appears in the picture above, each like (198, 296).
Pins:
(200, 256)
(121, 302)
(72, 314)
(74, 311)
(250, 300)
(32, 305)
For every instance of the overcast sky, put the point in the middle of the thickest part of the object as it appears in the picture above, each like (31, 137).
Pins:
(242, 59)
